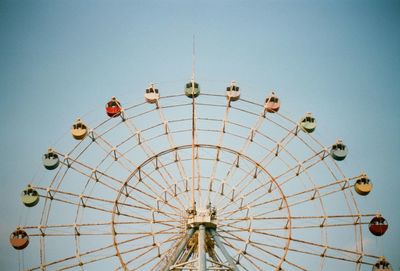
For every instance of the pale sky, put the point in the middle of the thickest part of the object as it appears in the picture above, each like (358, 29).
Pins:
(338, 59)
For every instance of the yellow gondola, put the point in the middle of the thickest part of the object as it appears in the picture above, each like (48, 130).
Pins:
(79, 130)
(363, 185)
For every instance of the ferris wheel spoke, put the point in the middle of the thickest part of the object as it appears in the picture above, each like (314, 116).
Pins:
(259, 245)
(150, 153)
(250, 139)
(48, 203)
(243, 149)
(198, 179)
(74, 257)
(250, 257)
(270, 152)
(249, 242)
(140, 239)
(296, 169)
(280, 145)
(136, 217)
(247, 179)
(323, 219)
(149, 247)
(145, 263)
(165, 190)
(75, 229)
(95, 173)
(301, 167)
(114, 153)
(263, 247)
(150, 192)
(83, 200)
(317, 224)
(323, 247)
(235, 198)
(313, 193)
(141, 246)
(219, 143)
(139, 139)
(81, 263)
(153, 198)
(173, 187)
(306, 200)
(84, 255)
(171, 142)
(159, 253)
(308, 251)
(81, 152)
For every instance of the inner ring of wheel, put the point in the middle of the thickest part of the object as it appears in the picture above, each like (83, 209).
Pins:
(207, 146)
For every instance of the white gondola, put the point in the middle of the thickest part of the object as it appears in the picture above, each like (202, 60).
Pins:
(232, 92)
(151, 95)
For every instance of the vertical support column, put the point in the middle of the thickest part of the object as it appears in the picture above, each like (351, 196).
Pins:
(219, 244)
(202, 248)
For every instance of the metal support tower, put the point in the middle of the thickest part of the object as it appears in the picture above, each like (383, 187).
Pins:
(200, 247)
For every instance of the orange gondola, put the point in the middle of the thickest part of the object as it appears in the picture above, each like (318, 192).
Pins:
(382, 265)
(19, 239)
(272, 103)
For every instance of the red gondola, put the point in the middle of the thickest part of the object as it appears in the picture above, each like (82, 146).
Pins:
(378, 225)
(113, 108)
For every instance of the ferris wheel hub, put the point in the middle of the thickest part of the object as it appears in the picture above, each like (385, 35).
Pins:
(206, 217)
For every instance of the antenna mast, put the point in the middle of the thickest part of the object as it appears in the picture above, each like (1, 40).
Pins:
(193, 57)
(193, 125)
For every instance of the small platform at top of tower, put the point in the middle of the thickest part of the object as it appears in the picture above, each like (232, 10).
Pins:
(206, 217)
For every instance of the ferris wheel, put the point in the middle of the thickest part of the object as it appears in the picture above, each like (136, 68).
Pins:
(192, 181)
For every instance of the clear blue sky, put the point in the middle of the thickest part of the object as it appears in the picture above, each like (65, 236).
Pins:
(338, 59)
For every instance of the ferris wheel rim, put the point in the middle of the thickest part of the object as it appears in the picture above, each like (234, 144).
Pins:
(182, 146)
(197, 145)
